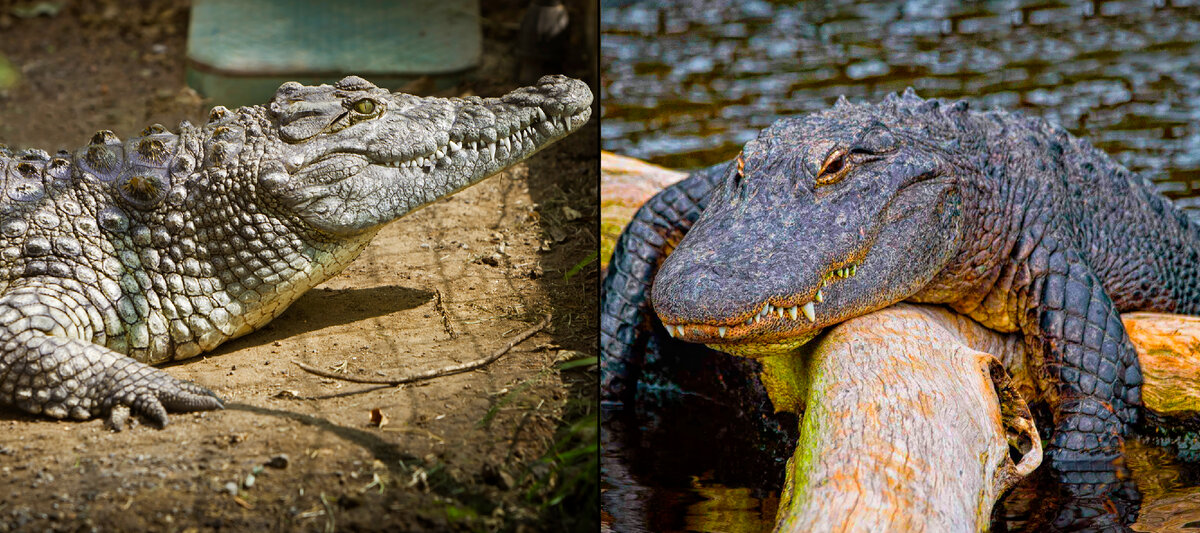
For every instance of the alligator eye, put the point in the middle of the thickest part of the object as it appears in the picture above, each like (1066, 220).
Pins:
(365, 106)
(834, 168)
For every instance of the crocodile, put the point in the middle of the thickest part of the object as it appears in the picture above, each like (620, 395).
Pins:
(1007, 219)
(126, 254)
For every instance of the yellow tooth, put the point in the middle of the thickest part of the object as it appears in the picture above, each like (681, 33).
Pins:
(793, 312)
(670, 329)
(810, 312)
(819, 298)
(721, 331)
(853, 269)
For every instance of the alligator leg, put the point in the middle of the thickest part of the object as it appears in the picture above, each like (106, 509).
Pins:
(49, 364)
(1089, 372)
(624, 309)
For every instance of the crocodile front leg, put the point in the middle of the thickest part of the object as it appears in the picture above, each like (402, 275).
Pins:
(49, 364)
(647, 240)
(1090, 375)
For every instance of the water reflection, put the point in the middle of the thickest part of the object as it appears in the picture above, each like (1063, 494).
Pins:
(686, 84)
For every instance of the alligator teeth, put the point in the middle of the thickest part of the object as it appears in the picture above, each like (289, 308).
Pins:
(541, 114)
(507, 144)
(810, 312)
(793, 311)
(721, 331)
(440, 154)
(779, 311)
(818, 299)
(670, 329)
(454, 147)
(492, 150)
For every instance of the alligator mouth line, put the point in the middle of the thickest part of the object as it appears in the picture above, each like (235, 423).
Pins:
(788, 316)
(524, 138)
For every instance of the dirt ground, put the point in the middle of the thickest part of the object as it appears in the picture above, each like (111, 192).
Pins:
(293, 451)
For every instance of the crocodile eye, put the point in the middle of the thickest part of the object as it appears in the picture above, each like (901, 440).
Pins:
(365, 106)
(834, 167)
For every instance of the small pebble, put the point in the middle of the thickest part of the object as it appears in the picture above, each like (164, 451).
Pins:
(279, 461)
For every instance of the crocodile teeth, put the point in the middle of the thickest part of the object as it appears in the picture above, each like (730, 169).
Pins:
(440, 154)
(541, 114)
(721, 331)
(749, 321)
(819, 298)
(810, 312)
(454, 147)
(507, 144)
(853, 269)
(492, 150)
(670, 329)
(793, 312)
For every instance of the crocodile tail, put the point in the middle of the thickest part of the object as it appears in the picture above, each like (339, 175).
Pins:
(626, 319)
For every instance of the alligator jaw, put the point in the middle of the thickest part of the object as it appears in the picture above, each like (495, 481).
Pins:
(770, 328)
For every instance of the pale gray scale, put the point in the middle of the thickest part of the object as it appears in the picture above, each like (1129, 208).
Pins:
(24, 188)
(152, 150)
(114, 219)
(102, 163)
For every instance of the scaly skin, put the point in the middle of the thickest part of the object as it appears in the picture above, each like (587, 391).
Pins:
(1011, 221)
(126, 254)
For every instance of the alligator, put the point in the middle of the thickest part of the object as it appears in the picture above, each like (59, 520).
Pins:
(123, 255)
(1007, 219)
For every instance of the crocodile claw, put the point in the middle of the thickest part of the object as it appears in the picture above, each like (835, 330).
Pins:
(151, 393)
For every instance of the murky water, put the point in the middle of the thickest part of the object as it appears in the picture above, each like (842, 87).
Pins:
(686, 84)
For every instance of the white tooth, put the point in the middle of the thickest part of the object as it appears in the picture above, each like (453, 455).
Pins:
(440, 154)
(454, 147)
(721, 331)
(507, 145)
(757, 318)
(819, 298)
(749, 321)
(492, 150)
(541, 114)
(810, 312)
(779, 311)
(670, 329)
(793, 312)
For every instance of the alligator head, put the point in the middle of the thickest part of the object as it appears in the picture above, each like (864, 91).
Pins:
(820, 219)
(355, 156)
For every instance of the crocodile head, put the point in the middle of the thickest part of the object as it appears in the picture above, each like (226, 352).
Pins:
(820, 219)
(355, 156)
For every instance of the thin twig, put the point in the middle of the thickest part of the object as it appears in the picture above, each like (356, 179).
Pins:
(446, 371)
(441, 308)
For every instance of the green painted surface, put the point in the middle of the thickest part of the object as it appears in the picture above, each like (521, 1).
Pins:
(239, 52)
